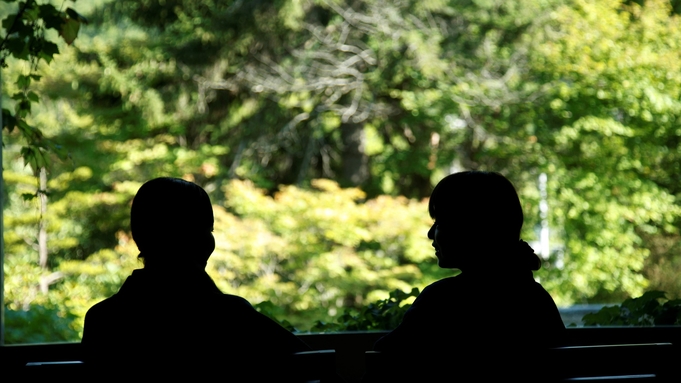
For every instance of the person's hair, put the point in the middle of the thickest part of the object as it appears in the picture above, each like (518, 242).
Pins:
(485, 202)
(170, 213)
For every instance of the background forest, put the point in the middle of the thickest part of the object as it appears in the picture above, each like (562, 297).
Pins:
(319, 127)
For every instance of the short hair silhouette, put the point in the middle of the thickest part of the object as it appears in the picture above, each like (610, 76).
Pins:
(171, 215)
(487, 200)
(170, 317)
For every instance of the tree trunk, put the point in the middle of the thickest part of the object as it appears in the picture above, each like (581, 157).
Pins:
(307, 158)
(42, 225)
(355, 161)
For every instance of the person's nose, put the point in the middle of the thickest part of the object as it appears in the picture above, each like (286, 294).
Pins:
(431, 232)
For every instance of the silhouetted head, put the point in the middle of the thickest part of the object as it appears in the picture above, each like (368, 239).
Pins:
(477, 216)
(172, 222)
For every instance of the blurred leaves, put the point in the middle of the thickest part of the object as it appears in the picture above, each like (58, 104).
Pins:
(25, 39)
(39, 324)
(314, 253)
(384, 314)
(646, 310)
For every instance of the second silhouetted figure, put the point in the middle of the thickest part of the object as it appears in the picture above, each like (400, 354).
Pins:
(492, 322)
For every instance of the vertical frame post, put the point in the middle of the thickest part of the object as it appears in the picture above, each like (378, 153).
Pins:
(2, 230)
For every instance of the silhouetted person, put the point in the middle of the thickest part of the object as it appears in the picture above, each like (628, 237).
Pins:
(170, 317)
(492, 321)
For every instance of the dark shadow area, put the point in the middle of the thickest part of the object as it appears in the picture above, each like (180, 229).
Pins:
(645, 351)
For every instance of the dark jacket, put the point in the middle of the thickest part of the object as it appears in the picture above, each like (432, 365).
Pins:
(474, 328)
(159, 324)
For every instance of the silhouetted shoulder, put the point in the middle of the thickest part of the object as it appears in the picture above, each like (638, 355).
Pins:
(459, 321)
(450, 288)
(193, 326)
(234, 304)
(236, 301)
(420, 325)
(484, 309)
(98, 320)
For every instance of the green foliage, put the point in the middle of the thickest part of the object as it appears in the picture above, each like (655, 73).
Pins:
(607, 130)
(314, 253)
(645, 310)
(384, 314)
(26, 39)
(39, 324)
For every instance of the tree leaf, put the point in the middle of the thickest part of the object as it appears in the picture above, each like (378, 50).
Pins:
(8, 21)
(31, 13)
(23, 31)
(50, 48)
(53, 21)
(76, 16)
(18, 48)
(69, 30)
(23, 81)
(23, 108)
(9, 122)
(47, 10)
(43, 56)
(33, 97)
(24, 127)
